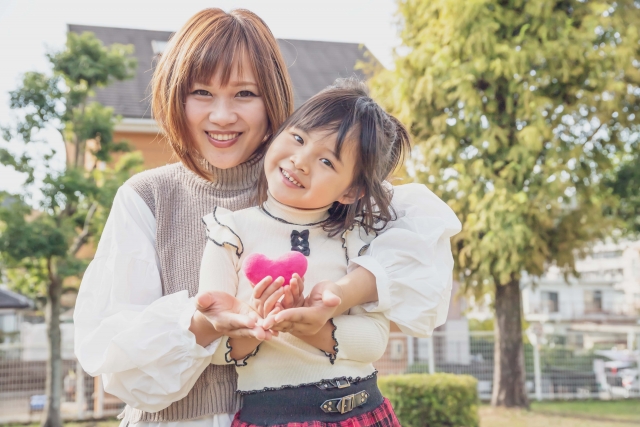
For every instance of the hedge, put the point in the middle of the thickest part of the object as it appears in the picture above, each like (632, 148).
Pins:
(438, 400)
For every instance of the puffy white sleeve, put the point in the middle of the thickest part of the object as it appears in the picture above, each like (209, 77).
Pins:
(412, 261)
(125, 329)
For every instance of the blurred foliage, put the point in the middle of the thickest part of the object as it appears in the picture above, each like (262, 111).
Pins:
(432, 400)
(519, 110)
(625, 184)
(39, 244)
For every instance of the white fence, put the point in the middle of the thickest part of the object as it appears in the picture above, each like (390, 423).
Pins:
(558, 367)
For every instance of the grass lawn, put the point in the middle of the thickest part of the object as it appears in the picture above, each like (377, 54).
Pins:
(622, 410)
(618, 413)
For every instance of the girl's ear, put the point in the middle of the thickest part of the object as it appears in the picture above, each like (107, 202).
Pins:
(351, 196)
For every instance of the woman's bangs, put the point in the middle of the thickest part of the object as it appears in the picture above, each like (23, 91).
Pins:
(220, 54)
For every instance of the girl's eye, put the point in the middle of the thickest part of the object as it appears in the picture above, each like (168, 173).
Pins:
(327, 162)
(298, 138)
(245, 93)
(200, 92)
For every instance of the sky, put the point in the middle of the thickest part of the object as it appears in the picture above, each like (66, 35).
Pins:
(30, 28)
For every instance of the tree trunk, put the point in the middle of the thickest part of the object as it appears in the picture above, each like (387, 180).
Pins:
(52, 416)
(509, 374)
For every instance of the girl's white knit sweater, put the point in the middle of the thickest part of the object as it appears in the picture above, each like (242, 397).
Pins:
(286, 360)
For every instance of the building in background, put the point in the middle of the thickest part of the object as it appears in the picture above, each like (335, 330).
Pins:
(603, 300)
(13, 306)
(313, 65)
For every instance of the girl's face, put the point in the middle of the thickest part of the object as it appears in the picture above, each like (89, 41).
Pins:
(303, 170)
(227, 123)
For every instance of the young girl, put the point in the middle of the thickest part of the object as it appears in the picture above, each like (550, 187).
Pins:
(325, 172)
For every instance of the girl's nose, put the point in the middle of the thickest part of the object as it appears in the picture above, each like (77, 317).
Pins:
(299, 163)
(222, 113)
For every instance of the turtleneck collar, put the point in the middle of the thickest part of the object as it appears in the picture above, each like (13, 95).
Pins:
(240, 177)
(294, 215)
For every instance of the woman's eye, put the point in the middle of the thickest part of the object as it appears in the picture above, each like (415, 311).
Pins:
(245, 93)
(327, 162)
(200, 92)
(298, 138)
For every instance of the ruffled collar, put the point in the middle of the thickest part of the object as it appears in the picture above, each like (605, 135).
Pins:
(287, 214)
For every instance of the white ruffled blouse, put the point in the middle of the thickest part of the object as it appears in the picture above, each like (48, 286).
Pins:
(139, 341)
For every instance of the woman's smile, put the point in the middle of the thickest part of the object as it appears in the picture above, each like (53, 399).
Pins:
(221, 139)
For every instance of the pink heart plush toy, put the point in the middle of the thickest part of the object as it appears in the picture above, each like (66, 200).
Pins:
(257, 266)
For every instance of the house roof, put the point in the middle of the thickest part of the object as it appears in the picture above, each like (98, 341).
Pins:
(10, 299)
(313, 65)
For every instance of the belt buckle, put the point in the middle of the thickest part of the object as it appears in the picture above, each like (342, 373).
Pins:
(340, 383)
(346, 404)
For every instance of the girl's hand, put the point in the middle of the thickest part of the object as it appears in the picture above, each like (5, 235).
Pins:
(228, 316)
(320, 306)
(294, 293)
(266, 295)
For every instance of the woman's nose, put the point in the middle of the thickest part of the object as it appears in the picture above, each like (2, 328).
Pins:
(222, 113)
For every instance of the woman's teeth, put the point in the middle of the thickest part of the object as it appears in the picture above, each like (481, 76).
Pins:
(286, 175)
(222, 137)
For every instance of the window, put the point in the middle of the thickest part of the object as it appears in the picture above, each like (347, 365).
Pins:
(592, 301)
(550, 302)
(606, 254)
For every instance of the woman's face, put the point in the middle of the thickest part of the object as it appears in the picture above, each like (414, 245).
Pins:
(227, 123)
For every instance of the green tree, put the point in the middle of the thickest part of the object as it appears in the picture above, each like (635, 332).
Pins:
(625, 183)
(518, 109)
(38, 245)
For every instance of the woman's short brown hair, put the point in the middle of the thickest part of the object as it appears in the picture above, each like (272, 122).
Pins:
(213, 41)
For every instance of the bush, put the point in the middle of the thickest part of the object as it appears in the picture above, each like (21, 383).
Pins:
(439, 400)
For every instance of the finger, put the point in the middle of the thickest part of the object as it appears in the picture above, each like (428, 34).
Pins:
(204, 301)
(256, 332)
(301, 284)
(270, 303)
(295, 285)
(227, 321)
(282, 327)
(329, 299)
(293, 315)
(287, 300)
(261, 286)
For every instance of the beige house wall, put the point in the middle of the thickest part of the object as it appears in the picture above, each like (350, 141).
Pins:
(154, 148)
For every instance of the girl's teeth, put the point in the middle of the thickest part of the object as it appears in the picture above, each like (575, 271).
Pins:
(284, 172)
(222, 137)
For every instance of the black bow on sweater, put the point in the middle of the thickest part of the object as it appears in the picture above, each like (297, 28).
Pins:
(300, 242)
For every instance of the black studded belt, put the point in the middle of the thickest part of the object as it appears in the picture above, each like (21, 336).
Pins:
(328, 401)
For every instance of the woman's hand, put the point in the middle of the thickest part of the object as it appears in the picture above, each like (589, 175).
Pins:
(219, 313)
(320, 306)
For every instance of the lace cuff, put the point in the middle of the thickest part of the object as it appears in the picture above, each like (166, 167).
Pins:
(243, 361)
(332, 357)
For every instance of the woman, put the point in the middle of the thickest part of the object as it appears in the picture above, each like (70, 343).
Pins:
(220, 91)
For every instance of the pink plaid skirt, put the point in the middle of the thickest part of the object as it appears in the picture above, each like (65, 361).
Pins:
(382, 416)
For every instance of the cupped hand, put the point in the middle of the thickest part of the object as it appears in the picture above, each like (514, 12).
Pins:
(230, 316)
(266, 295)
(320, 306)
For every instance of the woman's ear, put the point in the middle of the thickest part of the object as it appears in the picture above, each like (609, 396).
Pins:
(351, 196)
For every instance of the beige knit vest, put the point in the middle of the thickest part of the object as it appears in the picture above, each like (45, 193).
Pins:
(178, 198)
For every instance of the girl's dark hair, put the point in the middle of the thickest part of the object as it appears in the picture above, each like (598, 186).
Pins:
(381, 142)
